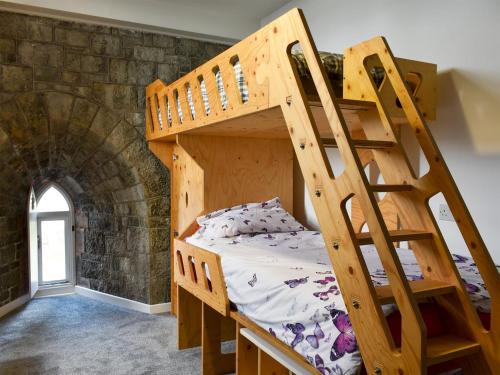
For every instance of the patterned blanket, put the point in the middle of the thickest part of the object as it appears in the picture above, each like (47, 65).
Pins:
(284, 282)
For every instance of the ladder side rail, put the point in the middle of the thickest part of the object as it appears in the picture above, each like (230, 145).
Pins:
(431, 184)
(413, 327)
(446, 185)
(312, 161)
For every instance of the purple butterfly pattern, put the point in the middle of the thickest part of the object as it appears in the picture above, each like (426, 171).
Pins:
(326, 280)
(345, 341)
(297, 329)
(324, 295)
(310, 315)
(293, 283)
(313, 339)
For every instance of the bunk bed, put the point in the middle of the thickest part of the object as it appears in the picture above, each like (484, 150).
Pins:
(229, 132)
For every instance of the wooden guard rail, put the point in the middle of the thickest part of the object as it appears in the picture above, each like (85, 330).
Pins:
(200, 273)
(251, 53)
(163, 118)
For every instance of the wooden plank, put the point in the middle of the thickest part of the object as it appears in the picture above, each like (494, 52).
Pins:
(269, 366)
(360, 143)
(214, 362)
(246, 355)
(381, 188)
(445, 348)
(366, 238)
(274, 353)
(192, 267)
(243, 321)
(420, 288)
(188, 319)
(236, 170)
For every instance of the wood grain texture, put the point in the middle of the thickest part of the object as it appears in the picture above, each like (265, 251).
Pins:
(243, 153)
(246, 355)
(213, 361)
(433, 256)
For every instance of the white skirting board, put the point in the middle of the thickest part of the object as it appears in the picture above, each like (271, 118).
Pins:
(54, 291)
(5, 309)
(159, 308)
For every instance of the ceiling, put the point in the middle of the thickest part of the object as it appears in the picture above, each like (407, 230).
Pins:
(219, 20)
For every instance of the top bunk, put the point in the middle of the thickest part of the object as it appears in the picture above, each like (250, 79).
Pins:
(239, 92)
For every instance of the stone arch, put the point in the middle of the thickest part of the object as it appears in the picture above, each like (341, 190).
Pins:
(119, 190)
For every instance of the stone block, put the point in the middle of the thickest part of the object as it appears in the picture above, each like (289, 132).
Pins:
(81, 117)
(132, 72)
(116, 96)
(91, 28)
(168, 72)
(72, 61)
(7, 50)
(93, 64)
(159, 207)
(13, 25)
(40, 29)
(158, 240)
(16, 78)
(130, 41)
(47, 73)
(73, 38)
(121, 136)
(149, 53)
(102, 44)
(165, 41)
(94, 242)
(40, 54)
(59, 110)
(137, 241)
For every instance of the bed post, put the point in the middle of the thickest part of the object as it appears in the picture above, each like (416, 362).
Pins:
(214, 362)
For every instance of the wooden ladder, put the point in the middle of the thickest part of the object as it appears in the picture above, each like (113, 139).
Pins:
(476, 349)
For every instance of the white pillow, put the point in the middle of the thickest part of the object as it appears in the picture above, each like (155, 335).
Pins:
(272, 203)
(250, 221)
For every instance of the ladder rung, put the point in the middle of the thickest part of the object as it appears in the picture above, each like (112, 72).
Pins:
(390, 188)
(448, 347)
(359, 143)
(365, 238)
(421, 289)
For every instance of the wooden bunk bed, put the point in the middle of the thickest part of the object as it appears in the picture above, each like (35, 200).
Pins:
(242, 149)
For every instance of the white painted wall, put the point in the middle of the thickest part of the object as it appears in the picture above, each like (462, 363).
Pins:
(463, 38)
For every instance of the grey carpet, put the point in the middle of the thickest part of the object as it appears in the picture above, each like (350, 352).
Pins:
(77, 335)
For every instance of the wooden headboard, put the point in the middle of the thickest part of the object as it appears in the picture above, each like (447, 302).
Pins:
(210, 173)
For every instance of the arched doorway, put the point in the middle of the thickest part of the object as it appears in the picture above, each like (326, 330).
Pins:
(55, 239)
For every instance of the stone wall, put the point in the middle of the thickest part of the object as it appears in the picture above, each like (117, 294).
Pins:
(72, 112)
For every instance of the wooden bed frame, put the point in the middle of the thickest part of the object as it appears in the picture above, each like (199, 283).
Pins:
(246, 152)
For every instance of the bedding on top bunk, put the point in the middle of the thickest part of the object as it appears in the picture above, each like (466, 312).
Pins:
(333, 63)
(283, 281)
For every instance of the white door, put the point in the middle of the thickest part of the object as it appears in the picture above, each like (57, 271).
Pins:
(54, 248)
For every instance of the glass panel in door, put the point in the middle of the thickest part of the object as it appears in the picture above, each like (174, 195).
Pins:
(53, 250)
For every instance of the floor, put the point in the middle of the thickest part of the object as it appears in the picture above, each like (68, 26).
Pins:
(76, 335)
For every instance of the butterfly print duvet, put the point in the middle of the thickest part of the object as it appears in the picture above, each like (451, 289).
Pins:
(285, 284)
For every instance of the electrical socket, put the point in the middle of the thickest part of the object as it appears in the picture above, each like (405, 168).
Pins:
(445, 213)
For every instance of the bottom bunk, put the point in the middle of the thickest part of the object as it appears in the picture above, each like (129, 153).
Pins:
(279, 277)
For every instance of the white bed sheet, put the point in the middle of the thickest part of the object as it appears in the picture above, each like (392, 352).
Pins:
(284, 282)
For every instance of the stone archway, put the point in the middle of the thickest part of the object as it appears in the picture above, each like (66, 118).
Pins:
(120, 193)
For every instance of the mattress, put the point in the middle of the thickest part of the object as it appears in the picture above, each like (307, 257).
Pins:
(284, 282)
